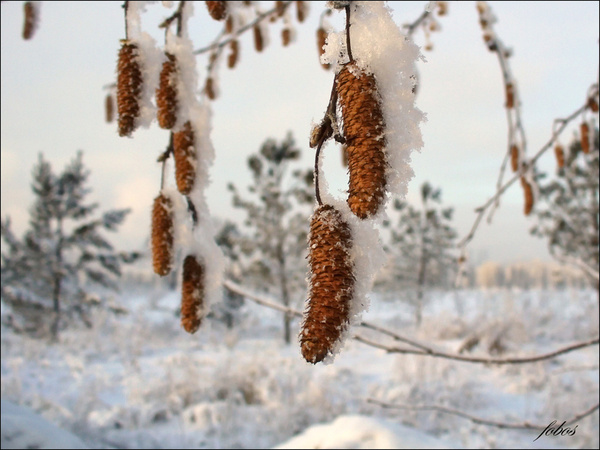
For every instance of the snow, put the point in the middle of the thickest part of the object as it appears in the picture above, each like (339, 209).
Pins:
(357, 431)
(23, 428)
(139, 381)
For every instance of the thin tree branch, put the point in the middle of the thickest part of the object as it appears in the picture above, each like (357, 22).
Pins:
(419, 348)
(482, 421)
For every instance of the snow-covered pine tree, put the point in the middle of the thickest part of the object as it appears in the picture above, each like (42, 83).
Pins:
(47, 274)
(420, 246)
(275, 248)
(568, 208)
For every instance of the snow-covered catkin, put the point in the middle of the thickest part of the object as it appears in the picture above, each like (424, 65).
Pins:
(217, 10)
(129, 87)
(528, 193)
(332, 282)
(585, 137)
(321, 41)
(184, 155)
(233, 56)
(192, 294)
(364, 133)
(30, 21)
(162, 235)
(166, 94)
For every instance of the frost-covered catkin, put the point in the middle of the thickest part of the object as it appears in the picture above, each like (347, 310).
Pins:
(129, 87)
(365, 143)
(332, 282)
(217, 10)
(184, 155)
(321, 40)
(30, 21)
(192, 294)
(166, 94)
(162, 235)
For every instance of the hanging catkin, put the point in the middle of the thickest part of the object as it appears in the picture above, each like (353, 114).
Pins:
(162, 235)
(514, 157)
(560, 155)
(192, 294)
(30, 21)
(217, 10)
(585, 137)
(528, 194)
(321, 41)
(332, 281)
(129, 87)
(166, 94)
(364, 133)
(109, 110)
(184, 155)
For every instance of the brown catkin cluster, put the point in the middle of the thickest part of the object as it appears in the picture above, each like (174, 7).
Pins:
(184, 155)
(364, 133)
(166, 94)
(332, 283)
(559, 152)
(129, 87)
(162, 235)
(585, 137)
(192, 294)
(528, 193)
(30, 21)
(217, 10)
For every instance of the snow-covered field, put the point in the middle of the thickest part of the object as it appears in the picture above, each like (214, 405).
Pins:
(139, 381)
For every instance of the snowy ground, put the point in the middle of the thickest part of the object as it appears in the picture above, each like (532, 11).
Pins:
(139, 381)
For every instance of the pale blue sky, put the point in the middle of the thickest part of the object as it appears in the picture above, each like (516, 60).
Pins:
(52, 102)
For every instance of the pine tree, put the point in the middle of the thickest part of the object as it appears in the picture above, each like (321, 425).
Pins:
(568, 207)
(46, 275)
(275, 248)
(421, 246)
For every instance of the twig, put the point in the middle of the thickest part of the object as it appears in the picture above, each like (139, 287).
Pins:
(219, 45)
(481, 421)
(419, 348)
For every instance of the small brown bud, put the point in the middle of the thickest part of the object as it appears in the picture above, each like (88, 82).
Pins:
(209, 88)
(162, 235)
(592, 104)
